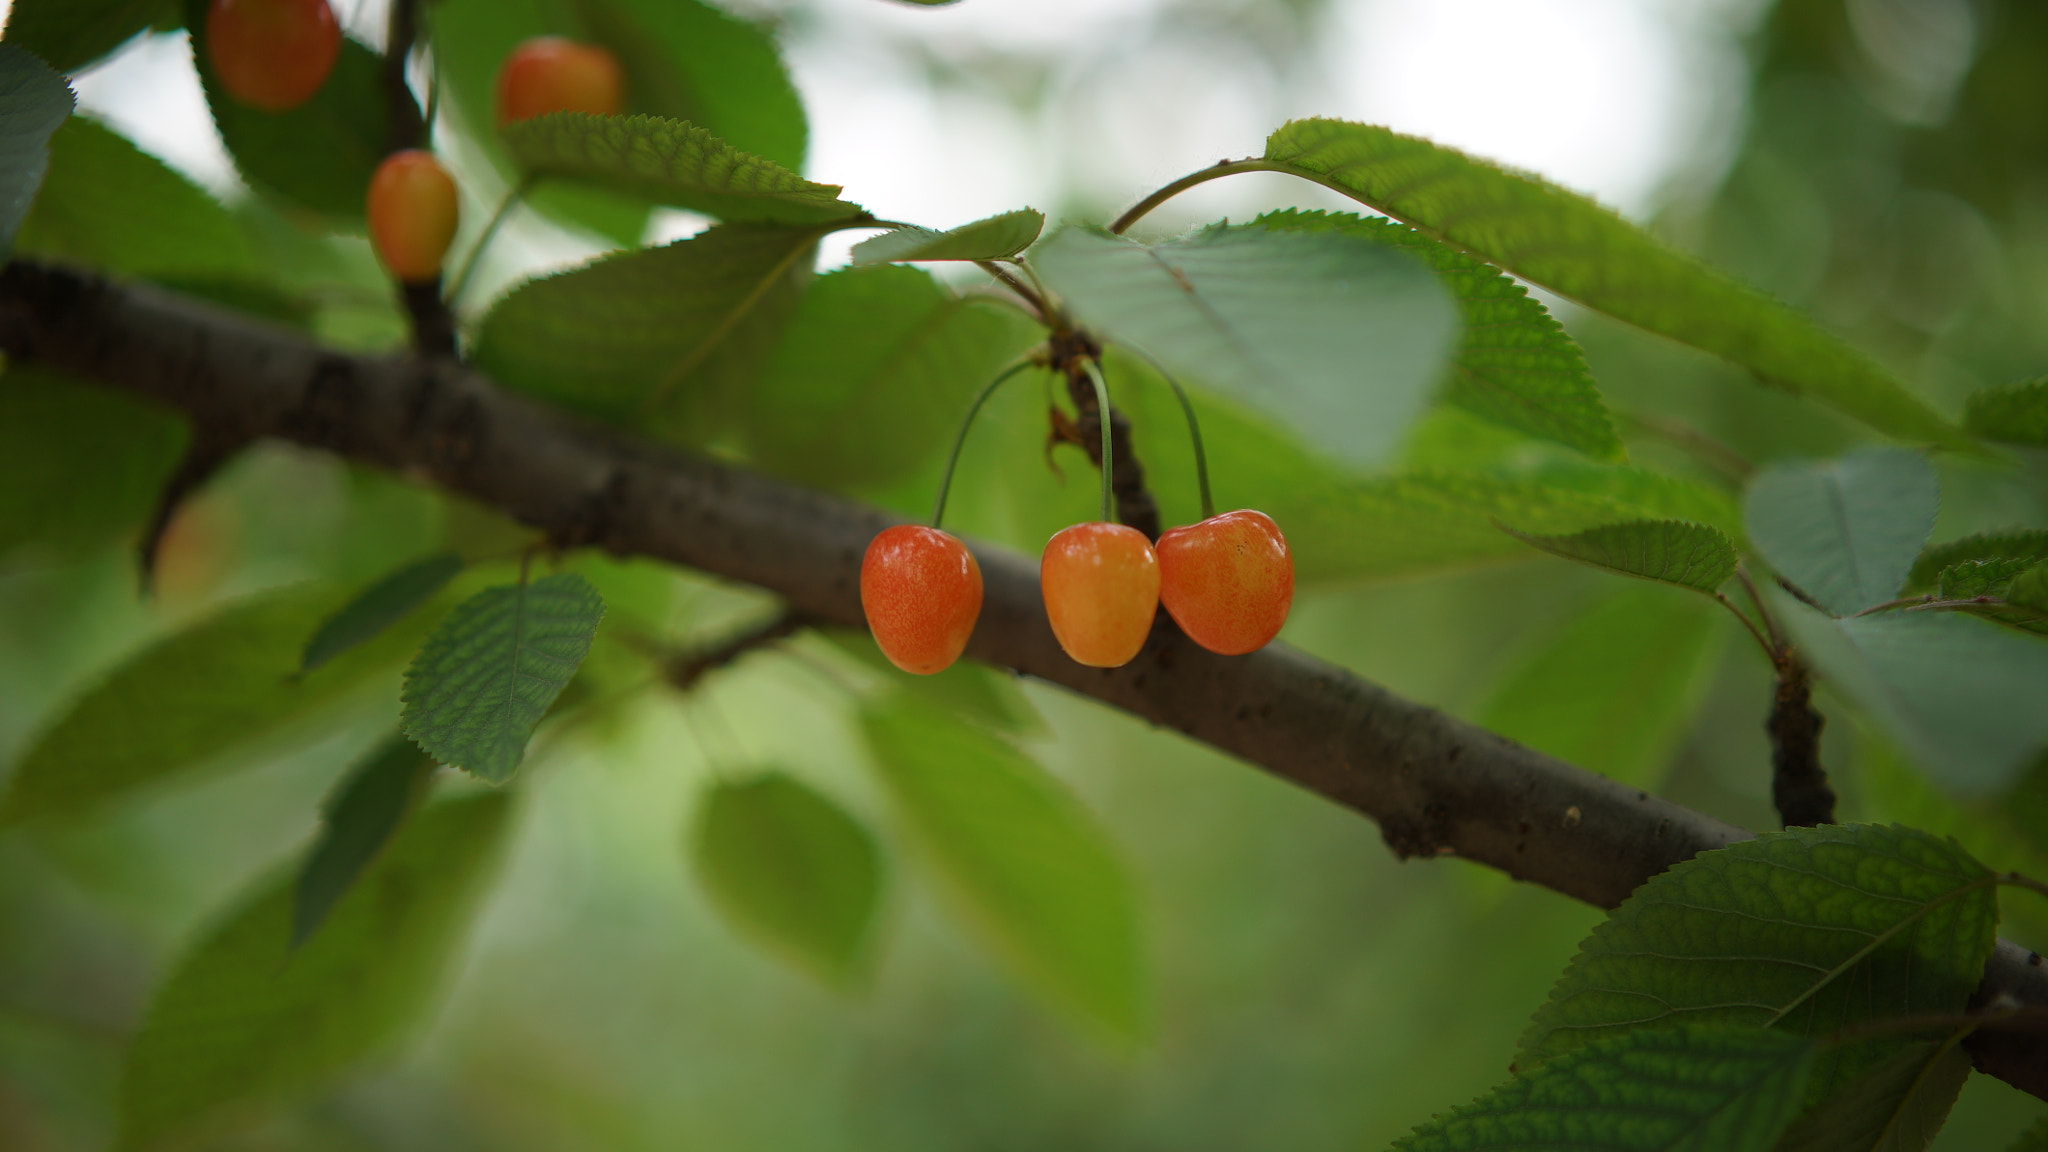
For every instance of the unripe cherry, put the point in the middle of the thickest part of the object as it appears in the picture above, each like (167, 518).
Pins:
(921, 591)
(413, 210)
(271, 55)
(1227, 581)
(1101, 587)
(551, 74)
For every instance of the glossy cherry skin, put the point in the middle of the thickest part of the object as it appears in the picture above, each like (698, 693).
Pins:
(413, 211)
(921, 591)
(271, 55)
(1101, 587)
(1227, 581)
(551, 74)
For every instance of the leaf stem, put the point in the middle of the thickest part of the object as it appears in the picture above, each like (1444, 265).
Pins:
(511, 200)
(1031, 296)
(1761, 640)
(1215, 171)
(960, 437)
(1102, 405)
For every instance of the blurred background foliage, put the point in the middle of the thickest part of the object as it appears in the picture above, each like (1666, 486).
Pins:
(1884, 164)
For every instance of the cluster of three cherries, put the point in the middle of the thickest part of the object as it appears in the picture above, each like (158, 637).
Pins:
(1228, 580)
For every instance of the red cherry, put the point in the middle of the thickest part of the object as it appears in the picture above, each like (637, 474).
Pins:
(550, 74)
(921, 590)
(271, 54)
(1101, 588)
(413, 210)
(1228, 581)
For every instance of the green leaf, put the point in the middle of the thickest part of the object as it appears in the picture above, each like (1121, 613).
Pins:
(2034, 1139)
(976, 691)
(873, 374)
(34, 103)
(1981, 577)
(670, 162)
(1689, 1088)
(70, 34)
(79, 464)
(108, 203)
(988, 239)
(2021, 544)
(671, 334)
(1845, 531)
(320, 155)
(379, 607)
(1615, 690)
(244, 1022)
(1515, 365)
(2014, 413)
(1693, 556)
(1809, 929)
(792, 870)
(357, 820)
(185, 700)
(1027, 862)
(488, 674)
(1576, 248)
(1898, 1107)
(1337, 337)
(1961, 696)
(2029, 589)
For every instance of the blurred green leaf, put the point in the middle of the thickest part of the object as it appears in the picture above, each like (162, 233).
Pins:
(1029, 864)
(987, 239)
(245, 1022)
(109, 204)
(987, 695)
(793, 870)
(2023, 544)
(873, 374)
(1897, 1107)
(1573, 246)
(1961, 696)
(79, 464)
(2014, 413)
(70, 34)
(2034, 1139)
(1682, 1088)
(490, 671)
(1808, 929)
(1515, 365)
(356, 821)
(1617, 687)
(379, 607)
(1693, 556)
(1337, 337)
(186, 699)
(34, 103)
(670, 162)
(2029, 589)
(320, 155)
(1845, 531)
(669, 334)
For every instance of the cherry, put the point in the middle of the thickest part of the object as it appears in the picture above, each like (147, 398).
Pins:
(1101, 587)
(413, 210)
(1228, 581)
(272, 55)
(921, 591)
(551, 74)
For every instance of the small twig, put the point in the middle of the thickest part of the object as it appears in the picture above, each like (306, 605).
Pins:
(1799, 785)
(1025, 292)
(682, 670)
(1770, 652)
(209, 452)
(433, 326)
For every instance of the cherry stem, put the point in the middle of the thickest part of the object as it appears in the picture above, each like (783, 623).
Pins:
(1187, 409)
(483, 240)
(960, 437)
(1102, 422)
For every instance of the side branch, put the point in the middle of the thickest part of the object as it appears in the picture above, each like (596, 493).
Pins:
(1436, 785)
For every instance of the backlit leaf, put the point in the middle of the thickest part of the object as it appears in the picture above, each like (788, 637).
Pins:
(988, 239)
(70, 34)
(1896, 1107)
(378, 607)
(2026, 544)
(34, 103)
(1339, 338)
(2015, 413)
(356, 822)
(1683, 1088)
(1844, 531)
(1031, 867)
(1576, 248)
(488, 674)
(791, 869)
(245, 1022)
(1981, 577)
(1693, 556)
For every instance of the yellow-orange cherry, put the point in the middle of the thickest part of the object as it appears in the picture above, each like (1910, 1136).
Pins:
(1101, 587)
(413, 211)
(921, 591)
(1228, 581)
(553, 74)
(272, 55)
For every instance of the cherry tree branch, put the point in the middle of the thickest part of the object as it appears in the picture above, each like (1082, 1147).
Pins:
(1435, 785)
